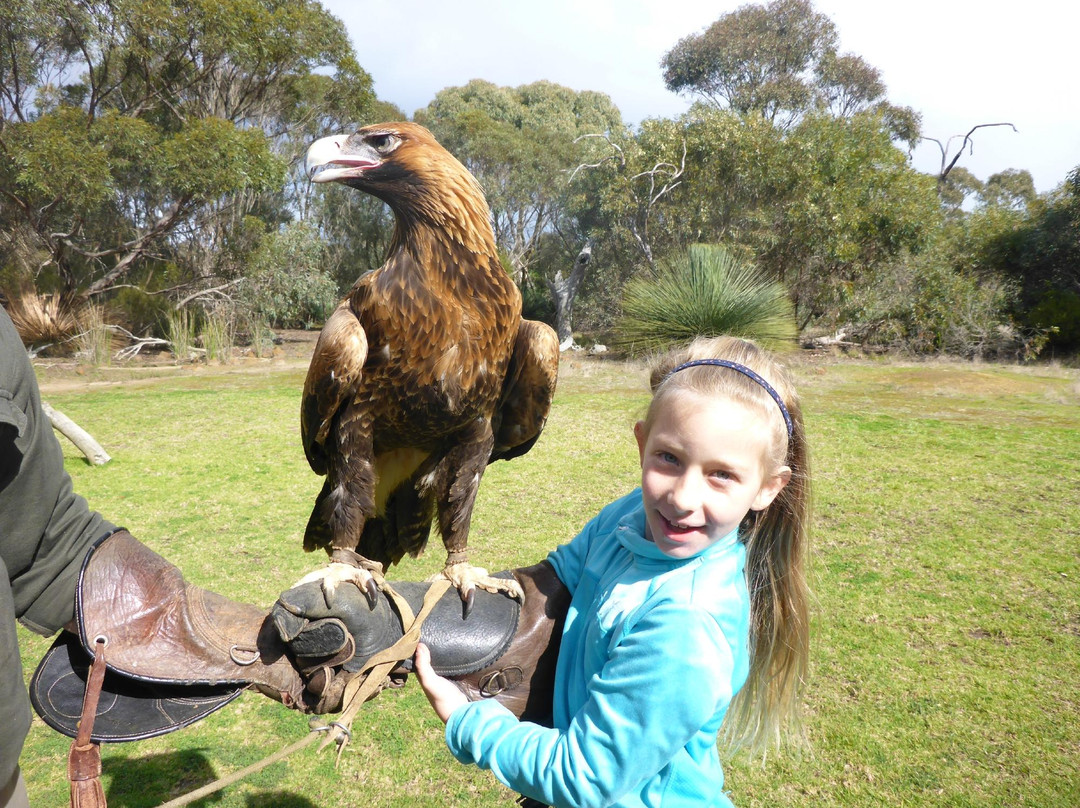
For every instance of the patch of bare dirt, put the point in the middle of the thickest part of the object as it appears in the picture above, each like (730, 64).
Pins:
(292, 351)
(296, 344)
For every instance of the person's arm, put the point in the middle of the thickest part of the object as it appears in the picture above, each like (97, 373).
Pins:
(159, 627)
(443, 695)
(664, 682)
(45, 527)
(503, 650)
(61, 557)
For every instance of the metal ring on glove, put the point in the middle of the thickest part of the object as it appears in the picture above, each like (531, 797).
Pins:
(236, 649)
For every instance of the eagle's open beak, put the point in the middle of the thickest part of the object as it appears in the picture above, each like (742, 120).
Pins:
(326, 162)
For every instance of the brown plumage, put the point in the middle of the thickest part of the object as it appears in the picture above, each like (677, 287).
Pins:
(426, 372)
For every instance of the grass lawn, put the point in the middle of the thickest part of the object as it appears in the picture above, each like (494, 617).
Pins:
(946, 574)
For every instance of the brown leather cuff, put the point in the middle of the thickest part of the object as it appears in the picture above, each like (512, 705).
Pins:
(159, 628)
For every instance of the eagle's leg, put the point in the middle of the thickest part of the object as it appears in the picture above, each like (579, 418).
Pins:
(466, 578)
(343, 508)
(457, 483)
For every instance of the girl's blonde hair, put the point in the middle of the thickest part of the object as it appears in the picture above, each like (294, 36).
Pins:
(776, 538)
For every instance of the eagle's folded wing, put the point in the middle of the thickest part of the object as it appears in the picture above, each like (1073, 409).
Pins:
(332, 377)
(528, 390)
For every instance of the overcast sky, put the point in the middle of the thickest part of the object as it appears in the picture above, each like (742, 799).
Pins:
(958, 62)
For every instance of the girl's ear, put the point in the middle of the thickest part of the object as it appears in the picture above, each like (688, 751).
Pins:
(641, 436)
(770, 487)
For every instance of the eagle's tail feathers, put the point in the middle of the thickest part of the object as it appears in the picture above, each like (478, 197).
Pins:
(317, 533)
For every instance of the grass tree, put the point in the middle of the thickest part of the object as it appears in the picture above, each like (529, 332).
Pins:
(706, 291)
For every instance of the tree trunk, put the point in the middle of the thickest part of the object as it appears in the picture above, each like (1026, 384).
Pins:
(77, 435)
(564, 290)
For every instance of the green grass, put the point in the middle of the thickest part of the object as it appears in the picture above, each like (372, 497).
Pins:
(946, 645)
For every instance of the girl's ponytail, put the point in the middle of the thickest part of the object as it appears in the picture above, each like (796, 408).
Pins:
(776, 539)
(769, 704)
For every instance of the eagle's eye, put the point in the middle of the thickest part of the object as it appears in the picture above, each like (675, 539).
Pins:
(382, 141)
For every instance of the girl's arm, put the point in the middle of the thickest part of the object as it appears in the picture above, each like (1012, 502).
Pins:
(668, 680)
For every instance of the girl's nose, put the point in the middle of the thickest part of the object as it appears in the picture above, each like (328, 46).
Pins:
(685, 493)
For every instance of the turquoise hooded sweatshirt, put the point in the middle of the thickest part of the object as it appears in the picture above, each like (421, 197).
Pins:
(653, 650)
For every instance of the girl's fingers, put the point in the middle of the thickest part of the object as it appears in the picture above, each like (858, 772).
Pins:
(442, 693)
(422, 660)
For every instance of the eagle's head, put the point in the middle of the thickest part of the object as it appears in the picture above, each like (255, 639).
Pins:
(402, 164)
(378, 155)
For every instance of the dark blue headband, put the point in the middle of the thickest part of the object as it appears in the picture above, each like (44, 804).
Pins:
(745, 371)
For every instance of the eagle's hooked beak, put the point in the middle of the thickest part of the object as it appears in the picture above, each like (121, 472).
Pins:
(327, 162)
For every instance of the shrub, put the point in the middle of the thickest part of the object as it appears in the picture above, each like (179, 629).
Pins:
(923, 305)
(219, 336)
(180, 328)
(1058, 313)
(536, 303)
(95, 338)
(45, 322)
(706, 292)
(144, 313)
(287, 285)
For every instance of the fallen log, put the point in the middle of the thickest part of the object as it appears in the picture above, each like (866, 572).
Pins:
(82, 439)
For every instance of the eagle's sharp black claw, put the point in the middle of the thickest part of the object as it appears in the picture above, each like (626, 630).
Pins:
(467, 599)
(371, 589)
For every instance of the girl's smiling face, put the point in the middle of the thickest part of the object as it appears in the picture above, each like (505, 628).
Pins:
(703, 467)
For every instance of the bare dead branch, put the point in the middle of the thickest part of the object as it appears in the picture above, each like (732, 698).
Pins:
(967, 143)
(140, 343)
(203, 292)
(618, 154)
(137, 248)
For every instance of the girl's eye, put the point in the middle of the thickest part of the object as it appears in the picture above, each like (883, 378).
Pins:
(722, 475)
(667, 457)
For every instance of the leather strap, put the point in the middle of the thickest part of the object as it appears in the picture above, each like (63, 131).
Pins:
(370, 681)
(84, 759)
(462, 645)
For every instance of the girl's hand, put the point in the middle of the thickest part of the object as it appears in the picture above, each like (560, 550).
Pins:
(442, 693)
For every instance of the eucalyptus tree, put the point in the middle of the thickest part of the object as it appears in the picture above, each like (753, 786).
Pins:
(1037, 247)
(815, 206)
(1012, 188)
(520, 143)
(137, 132)
(956, 189)
(854, 203)
(779, 60)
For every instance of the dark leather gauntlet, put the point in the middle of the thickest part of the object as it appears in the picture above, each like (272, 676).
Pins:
(502, 650)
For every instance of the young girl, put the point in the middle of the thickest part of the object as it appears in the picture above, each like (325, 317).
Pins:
(689, 603)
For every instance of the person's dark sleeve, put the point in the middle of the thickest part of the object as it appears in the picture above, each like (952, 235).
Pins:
(45, 527)
(45, 531)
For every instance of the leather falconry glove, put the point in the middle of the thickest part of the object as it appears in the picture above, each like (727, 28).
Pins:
(503, 650)
(174, 652)
(164, 655)
(157, 626)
